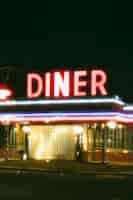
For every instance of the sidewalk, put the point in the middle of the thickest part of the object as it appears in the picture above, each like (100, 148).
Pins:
(69, 167)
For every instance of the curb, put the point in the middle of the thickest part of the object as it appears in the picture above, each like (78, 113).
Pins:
(61, 171)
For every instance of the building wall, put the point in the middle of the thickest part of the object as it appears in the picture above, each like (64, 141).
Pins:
(60, 142)
(11, 141)
(117, 143)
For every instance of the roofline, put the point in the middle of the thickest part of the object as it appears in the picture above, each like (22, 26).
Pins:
(104, 100)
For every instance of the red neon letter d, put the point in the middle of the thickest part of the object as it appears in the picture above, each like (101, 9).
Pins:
(30, 78)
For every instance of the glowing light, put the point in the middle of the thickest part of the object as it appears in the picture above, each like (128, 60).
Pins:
(125, 151)
(26, 129)
(78, 130)
(120, 126)
(46, 120)
(108, 150)
(25, 157)
(128, 108)
(47, 160)
(112, 124)
(78, 83)
(103, 125)
(94, 125)
(109, 140)
(117, 97)
(98, 85)
(5, 93)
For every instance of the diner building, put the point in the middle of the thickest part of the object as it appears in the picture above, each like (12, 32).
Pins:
(65, 115)
(70, 129)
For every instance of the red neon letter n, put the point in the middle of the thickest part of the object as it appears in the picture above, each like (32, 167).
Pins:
(61, 84)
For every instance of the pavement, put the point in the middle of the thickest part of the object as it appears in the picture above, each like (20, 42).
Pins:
(36, 179)
(69, 167)
(57, 186)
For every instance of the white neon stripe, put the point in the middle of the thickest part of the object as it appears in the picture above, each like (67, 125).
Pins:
(128, 108)
(59, 101)
(57, 114)
(127, 115)
(64, 114)
(114, 115)
(67, 114)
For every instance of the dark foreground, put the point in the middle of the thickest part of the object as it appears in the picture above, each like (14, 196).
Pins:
(26, 185)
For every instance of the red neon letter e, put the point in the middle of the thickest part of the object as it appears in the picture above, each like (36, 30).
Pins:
(78, 83)
(98, 84)
(30, 78)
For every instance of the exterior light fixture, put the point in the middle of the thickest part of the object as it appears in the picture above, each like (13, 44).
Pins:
(112, 124)
(102, 125)
(78, 130)
(25, 157)
(26, 129)
(109, 141)
(47, 160)
(125, 151)
(120, 126)
(117, 97)
(46, 120)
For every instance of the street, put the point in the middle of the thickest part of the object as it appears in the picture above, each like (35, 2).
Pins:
(26, 185)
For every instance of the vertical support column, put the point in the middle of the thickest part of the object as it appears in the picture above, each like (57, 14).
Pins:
(122, 140)
(27, 145)
(90, 133)
(103, 144)
(94, 143)
(125, 137)
(19, 143)
(6, 138)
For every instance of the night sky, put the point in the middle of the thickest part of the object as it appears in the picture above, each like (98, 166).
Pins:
(58, 34)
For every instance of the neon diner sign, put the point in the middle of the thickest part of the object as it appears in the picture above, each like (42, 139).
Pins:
(56, 84)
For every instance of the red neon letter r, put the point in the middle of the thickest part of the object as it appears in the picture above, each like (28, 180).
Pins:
(98, 84)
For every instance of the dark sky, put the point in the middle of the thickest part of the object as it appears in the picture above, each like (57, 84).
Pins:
(42, 36)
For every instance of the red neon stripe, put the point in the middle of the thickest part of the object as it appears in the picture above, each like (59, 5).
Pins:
(63, 119)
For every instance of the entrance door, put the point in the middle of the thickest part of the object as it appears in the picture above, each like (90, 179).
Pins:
(52, 142)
